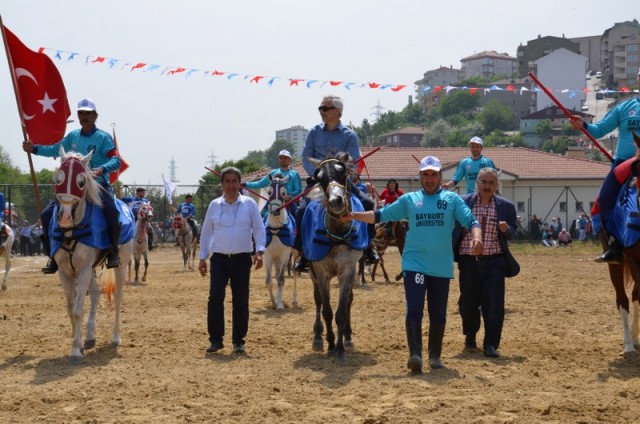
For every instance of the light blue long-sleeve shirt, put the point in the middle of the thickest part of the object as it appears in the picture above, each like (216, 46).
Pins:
(432, 217)
(321, 143)
(294, 185)
(98, 141)
(625, 117)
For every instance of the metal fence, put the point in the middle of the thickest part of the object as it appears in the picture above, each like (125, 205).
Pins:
(21, 203)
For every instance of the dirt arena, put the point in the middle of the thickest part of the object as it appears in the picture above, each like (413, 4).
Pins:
(561, 355)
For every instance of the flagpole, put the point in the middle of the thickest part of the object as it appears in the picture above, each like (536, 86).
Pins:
(14, 81)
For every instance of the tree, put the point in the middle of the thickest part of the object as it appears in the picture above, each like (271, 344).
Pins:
(458, 102)
(271, 153)
(9, 174)
(544, 129)
(556, 145)
(256, 156)
(414, 114)
(498, 138)
(437, 134)
(495, 116)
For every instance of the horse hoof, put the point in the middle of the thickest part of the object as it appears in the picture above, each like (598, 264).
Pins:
(89, 344)
(144, 279)
(280, 308)
(294, 303)
(348, 344)
(340, 358)
(4, 287)
(75, 360)
(317, 346)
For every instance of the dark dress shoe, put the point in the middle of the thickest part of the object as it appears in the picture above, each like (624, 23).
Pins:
(216, 346)
(238, 348)
(491, 352)
(301, 265)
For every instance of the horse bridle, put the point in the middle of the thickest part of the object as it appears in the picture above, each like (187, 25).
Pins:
(347, 209)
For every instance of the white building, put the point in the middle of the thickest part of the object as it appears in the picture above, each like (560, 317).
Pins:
(562, 70)
(295, 135)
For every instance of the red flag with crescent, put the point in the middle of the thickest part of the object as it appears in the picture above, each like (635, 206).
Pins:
(42, 95)
(113, 177)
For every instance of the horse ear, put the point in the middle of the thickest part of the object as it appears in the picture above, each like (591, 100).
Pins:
(86, 159)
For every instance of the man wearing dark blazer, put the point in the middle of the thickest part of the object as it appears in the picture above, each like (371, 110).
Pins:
(482, 277)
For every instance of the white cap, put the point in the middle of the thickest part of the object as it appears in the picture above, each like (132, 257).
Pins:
(430, 162)
(285, 153)
(638, 71)
(87, 105)
(477, 140)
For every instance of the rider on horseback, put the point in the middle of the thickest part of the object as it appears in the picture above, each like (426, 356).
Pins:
(188, 210)
(624, 117)
(104, 161)
(134, 204)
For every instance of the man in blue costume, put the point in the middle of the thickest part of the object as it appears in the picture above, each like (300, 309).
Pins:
(104, 160)
(626, 118)
(134, 204)
(469, 167)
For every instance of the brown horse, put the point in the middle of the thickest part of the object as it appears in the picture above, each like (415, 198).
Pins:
(385, 237)
(626, 275)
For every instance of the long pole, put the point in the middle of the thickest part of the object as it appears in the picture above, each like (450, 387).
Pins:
(569, 115)
(14, 81)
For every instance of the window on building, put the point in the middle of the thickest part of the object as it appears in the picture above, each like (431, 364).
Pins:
(579, 206)
(632, 47)
(520, 206)
(632, 58)
(563, 206)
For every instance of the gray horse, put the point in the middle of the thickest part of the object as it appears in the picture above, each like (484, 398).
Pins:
(333, 248)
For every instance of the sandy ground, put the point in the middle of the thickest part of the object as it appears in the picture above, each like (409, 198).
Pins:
(561, 355)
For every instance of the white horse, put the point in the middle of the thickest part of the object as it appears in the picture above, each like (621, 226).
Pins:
(187, 240)
(77, 192)
(277, 253)
(141, 246)
(5, 249)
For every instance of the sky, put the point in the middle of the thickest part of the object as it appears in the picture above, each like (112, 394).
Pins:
(188, 119)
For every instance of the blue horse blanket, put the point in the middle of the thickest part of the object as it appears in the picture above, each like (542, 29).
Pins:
(92, 231)
(287, 233)
(623, 221)
(315, 241)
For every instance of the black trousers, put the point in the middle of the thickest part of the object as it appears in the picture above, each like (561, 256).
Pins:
(367, 204)
(237, 269)
(482, 292)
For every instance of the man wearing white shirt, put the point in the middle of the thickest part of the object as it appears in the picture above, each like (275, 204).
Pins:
(227, 230)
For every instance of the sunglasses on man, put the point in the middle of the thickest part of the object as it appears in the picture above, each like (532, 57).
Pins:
(325, 108)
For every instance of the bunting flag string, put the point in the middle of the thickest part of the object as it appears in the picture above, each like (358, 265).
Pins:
(261, 79)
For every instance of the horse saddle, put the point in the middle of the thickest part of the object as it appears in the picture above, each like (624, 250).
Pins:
(286, 233)
(316, 242)
(623, 221)
(92, 230)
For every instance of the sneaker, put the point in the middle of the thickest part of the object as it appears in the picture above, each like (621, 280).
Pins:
(216, 346)
(610, 257)
(238, 348)
(113, 260)
(491, 352)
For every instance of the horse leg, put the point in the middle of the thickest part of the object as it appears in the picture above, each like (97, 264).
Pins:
(76, 312)
(280, 267)
(317, 325)
(348, 342)
(7, 264)
(185, 258)
(268, 262)
(136, 267)
(294, 299)
(342, 312)
(616, 273)
(94, 296)
(361, 265)
(146, 266)
(120, 275)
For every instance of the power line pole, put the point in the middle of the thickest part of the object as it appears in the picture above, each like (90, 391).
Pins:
(172, 170)
(212, 160)
(378, 108)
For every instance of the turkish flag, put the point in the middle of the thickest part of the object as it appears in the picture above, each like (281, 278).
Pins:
(113, 177)
(42, 95)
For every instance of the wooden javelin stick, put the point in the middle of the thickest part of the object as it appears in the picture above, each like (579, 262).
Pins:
(214, 172)
(569, 115)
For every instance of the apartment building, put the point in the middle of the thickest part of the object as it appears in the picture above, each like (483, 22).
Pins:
(620, 53)
(295, 135)
(541, 46)
(488, 64)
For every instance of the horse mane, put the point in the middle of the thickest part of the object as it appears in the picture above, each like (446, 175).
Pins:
(92, 189)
